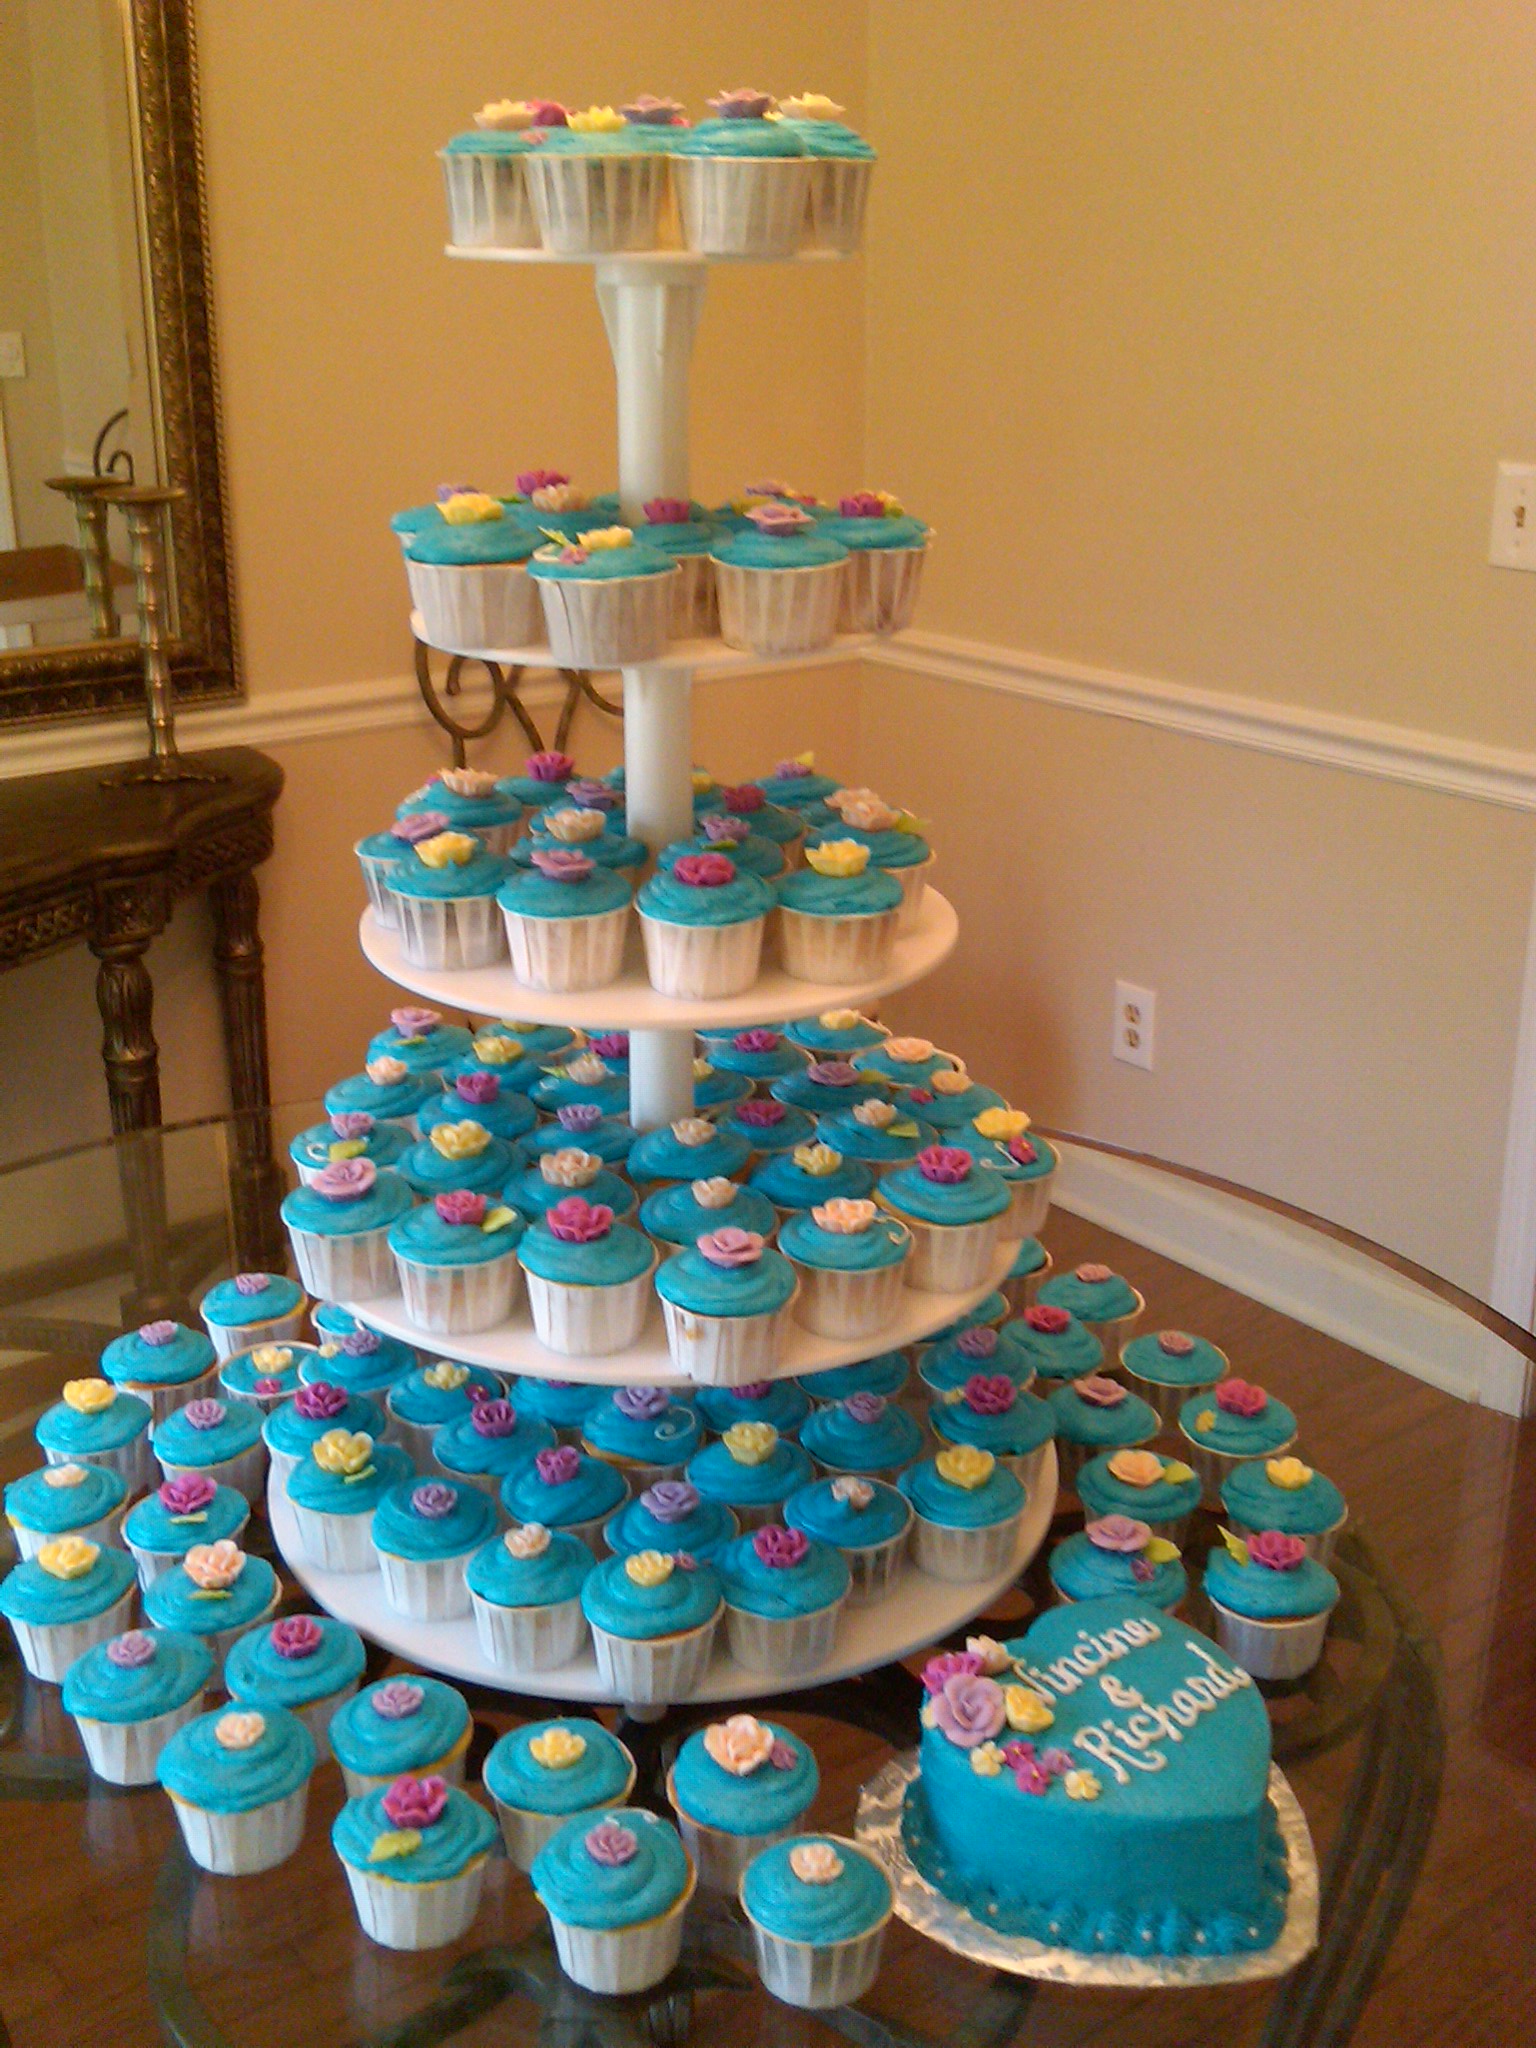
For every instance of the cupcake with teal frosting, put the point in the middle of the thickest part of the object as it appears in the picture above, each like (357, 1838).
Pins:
(546, 775)
(733, 837)
(818, 1908)
(702, 921)
(886, 549)
(999, 1139)
(1171, 1367)
(1104, 1301)
(339, 1229)
(597, 183)
(65, 1500)
(468, 799)
(1272, 1603)
(743, 180)
(239, 1784)
(401, 1727)
(353, 1357)
(609, 1136)
(954, 1213)
(894, 842)
(1032, 1263)
(161, 1527)
(588, 1277)
(489, 1444)
(308, 1663)
(607, 599)
(218, 1591)
(993, 1413)
(672, 1516)
(318, 1405)
(780, 1403)
(425, 1531)
(653, 1616)
(865, 1433)
(429, 1396)
(1116, 1558)
(837, 914)
(457, 1260)
(683, 532)
(990, 1313)
(417, 1036)
(747, 802)
(615, 1887)
(835, 1034)
(885, 1374)
(770, 1128)
(387, 1092)
(850, 1260)
(563, 1404)
(966, 1508)
(1288, 1495)
(582, 1080)
(810, 1176)
(827, 1087)
(468, 577)
(164, 1363)
(525, 1591)
(480, 1098)
(94, 1424)
(461, 1154)
(683, 1212)
(737, 1786)
(1238, 1420)
(573, 829)
(218, 1440)
(865, 1520)
(415, 1857)
(488, 202)
(545, 1773)
(727, 1301)
(779, 583)
(643, 1431)
(949, 1099)
(903, 1062)
(1094, 1414)
(64, 1599)
(979, 1347)
(692, 1149)
(783, 1596)
(333, 1493)
(129, 1695)
(1057, 1344)
(875, 1129)
(569, 1170)
(265, 1376)
(715, 1092)
(256, 1308)
(566, 917)
(1164, 1492)
(566, 1490)
(751, 1470)
(760, 1054)
(444, 890)
(841, 165)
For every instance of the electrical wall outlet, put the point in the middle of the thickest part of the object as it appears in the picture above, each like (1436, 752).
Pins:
(1135, 1019)
(13, 355)
(1512, 538)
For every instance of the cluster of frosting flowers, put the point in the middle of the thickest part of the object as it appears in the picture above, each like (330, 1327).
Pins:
(743, 1744)
(1127, 1537)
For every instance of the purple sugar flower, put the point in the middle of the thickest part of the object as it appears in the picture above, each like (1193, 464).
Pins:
(781, 522)
(757, 1040)
(670, 1500)
(611, 1045)
(549, 766)
(742, 103)
(667, 511)
(299, 1635)
(459, 1205)
(545, 114)
(1021, 1152)
(558, 1467)
(861, 505)
(496, 1418)
(562, 864)
(266, 1386)
(132, 1650)
(1120, 1533)
(204, 1414)
(156, 1334)
(752, 1390)
(726, 830)
(576, 1221)
(731, 1247)
(479, 1088)
(347, 1180)
(938, 1671)
(782, 1756)
(760, 1113)
(432, 1500)
(945, 1164)
(864, 1407)
(578, 1116)
(1276, 1552)
(780, 1548)
(397, 1700)
(349, 1124)
(969, 1709)
(418, 826)
(588, 795)
(1055, 1762)
(978, 1343)
(610, 1844)
(187, 1494)
(411, 1021)
(990, 1393)
(651, 112)
(320, 1401)
(1028, 1772)
(361, 1343)
(258, 1283)
(834, 1074)
(641, 1404)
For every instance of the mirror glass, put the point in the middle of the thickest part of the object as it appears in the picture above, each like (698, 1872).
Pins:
(77, 385)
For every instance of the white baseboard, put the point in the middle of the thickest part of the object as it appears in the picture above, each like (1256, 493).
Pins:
(1320, 1282)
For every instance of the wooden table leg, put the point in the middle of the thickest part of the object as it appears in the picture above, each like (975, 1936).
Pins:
(256, 1186)
(125, 997)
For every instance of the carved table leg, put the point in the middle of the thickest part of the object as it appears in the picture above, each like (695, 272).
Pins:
(125, 997)
(256, 1186)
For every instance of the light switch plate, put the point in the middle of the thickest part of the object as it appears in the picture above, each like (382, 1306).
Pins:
(1512, 538)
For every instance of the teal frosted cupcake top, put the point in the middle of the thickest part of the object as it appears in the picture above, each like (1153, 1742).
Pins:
(437, 1393)
(777, 1402)
(530, 1565)
(398, 1725)
(479, 1099)
(481, 542)
(237, 1759)
(976, 1348)
(836, 1032)
(462, 868)
(561, 1766)
(1283, 1494)
(459, 1228)
(235, 1303)
(162, 1354)
(845, 1237)
(741, 136)
(342, 1478)
(1173, 1358)
(816, 1889)
(617, 1868)
(679, 1216)
(561, 1403)
(791, 1183)
(761, 1053)
(642, 1424)
(777, 551)
(1059, 1345)
(606, 850)
(459, 1156)
(780, 1574)
(318, 1406)
(979, 1493)
(704, 889)
(651, 1593)
(389, 1095)
(563, 1486)
(468, 798)
(267, 1372)
(206, 1594)
(869, 893)
(862, 1433)
(183, 1512)
(871, 535)
(744, 1776)
(490, 142)
(1096, 1410)
(769, 1127)
(1115, 1559)
(609, 1137)
(886, 1375)
(347, 1199)
(137, 1676)
(416, 1831)
(671, 1516)
(1138, 1483)
(892, 847)
(1238, 1419)
(92, 1419)
(426, 1519)
(207, 1432)
(300, 1659)
(59, 1498)
(830, 139)
(943, 1186)
(952, 1108)
(1269, 1577)
(692, 1149)
(564, 882)
(69, 1580)
(1092, 1293)
(578, 1243)
(533, 1192)
(492, 1438)
(419, 1038)
(751, 1466)
(993, 1413)
(876, 1130)
(752, 854)
(850, 1512)
(578, 561)
(727, 1272)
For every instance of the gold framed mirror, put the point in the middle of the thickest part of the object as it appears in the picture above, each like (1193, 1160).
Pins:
(107, 365)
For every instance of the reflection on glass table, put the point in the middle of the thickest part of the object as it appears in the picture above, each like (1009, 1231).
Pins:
(110, 1934)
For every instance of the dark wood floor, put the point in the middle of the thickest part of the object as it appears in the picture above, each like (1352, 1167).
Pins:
(1447, 1494)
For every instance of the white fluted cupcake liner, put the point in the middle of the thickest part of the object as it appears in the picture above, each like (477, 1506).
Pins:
(316, 1716)
(880, 587)
(1165, 1399)
(949, 1258)
(848, 1305)
(1070, 1460)
(49, 1649)
(450, 1768)
(563, 955)
(1320, 1544)
(414, 1438)
(835, 948)
(721, 1858)
(476, 604)
(589, 1321)
(595, 205)
(914, 887)
(237, 1337)
(875, 1569)
(355, 1267)
(727, 1351)
(961, 1556)
(416, 1916)
(700, 962)
(839, 191)
(240, 1844)
(126, 1752)
(376, 874)
(1272, 1649)
(793, 1646)
(1115, 1333)
(653, 1671)
(425, 1588)
(530, 1638)
(134, 1463)
(336, 1543)
(1214, 1467)
(524, 1832)
(816, 1975)
(246, 1474)
(1022, 1291)
(450, 932)
(695, 607)
(615, 1960)
(1031, 1206)
(779, 611)
(488, 203)
(108, 1530)
(154, 1564)
(743, 206)
(456, 1301)
(607, 622)
(163, 1402)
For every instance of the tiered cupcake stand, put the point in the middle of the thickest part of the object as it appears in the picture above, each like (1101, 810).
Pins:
(650, 305)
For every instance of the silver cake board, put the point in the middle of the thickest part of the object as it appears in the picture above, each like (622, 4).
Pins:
(878, 1829)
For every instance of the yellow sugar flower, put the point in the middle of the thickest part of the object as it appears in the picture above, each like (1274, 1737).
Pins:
(1136, 1468)
(951, 1081)
(596, 121)
(648, 1568)
(842, 1020)
(496, 1049)
(751, 1443)
(446, 1375)
(702, 780)
(817, 1160)
(558, 1748)
(600, 538)
(64, 1476)
(1002, 1125)
(447, 849)
(466, 1140)
(987, 1760)
(214, 1567)
(1026, 1710)
(844, 1216)
(271, 1358)
(964, 1465)
(575, 828)
(1080, 1785)
(1289, 1473)
(89, 1397)
(527, 1540)
(68, 1557)
(811, 106)
(469, 508)
(838, 857)
(346, 1452)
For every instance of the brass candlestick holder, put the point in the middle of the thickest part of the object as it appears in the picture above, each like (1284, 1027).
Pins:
(88, 495)
(146, 508)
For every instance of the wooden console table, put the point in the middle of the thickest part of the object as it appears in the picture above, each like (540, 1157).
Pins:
(84, 859)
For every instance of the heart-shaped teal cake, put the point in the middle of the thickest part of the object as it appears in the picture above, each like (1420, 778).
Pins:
(1101, 1784)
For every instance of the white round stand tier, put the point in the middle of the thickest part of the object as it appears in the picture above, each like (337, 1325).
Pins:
(631, 1004)
(693, 657)
(512, 1346)
(920, 1610)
